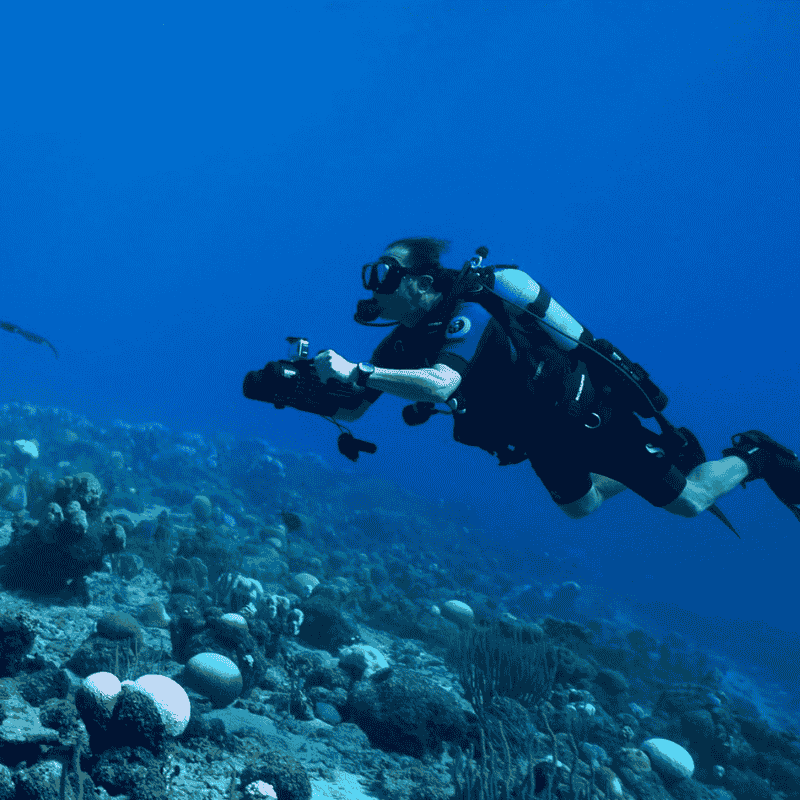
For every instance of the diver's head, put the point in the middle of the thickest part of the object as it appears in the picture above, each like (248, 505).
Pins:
(407, 280)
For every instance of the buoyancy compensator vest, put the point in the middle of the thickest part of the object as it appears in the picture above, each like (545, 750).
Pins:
(557, 349)
(562, 373)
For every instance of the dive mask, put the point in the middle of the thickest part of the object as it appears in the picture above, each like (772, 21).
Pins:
(383, 276)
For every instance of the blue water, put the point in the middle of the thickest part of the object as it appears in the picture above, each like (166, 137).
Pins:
(184, 185)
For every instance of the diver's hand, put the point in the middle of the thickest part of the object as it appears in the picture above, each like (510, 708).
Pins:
(330, 364)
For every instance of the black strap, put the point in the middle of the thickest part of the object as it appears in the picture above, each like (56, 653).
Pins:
(539, 306)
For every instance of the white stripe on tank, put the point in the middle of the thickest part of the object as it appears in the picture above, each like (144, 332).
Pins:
(518, 287)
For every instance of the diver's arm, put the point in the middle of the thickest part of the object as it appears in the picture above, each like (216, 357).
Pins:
(430, 384)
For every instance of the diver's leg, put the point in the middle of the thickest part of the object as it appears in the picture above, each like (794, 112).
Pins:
(584, 506)
(705, 483)
(607, 486)
(602, 489)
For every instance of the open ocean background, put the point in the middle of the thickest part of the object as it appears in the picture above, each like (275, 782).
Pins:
(184, 185)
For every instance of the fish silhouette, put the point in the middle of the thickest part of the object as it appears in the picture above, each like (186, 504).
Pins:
(31, 337)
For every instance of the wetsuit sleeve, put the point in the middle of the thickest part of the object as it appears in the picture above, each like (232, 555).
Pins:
(466, 331)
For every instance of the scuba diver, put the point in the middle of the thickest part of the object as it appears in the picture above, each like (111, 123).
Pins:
(524, 380)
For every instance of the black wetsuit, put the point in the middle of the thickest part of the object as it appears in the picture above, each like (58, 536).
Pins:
(501, 410)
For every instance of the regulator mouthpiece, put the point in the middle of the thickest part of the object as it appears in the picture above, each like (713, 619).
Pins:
(367, 310)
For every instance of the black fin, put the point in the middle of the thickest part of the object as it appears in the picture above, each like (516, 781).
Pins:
(717, 512)
(794, 509)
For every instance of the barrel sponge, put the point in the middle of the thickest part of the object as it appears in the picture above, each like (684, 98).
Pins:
(458, 612)
(169, 698)
(215, 677)
(103, 688)
(671, 761)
